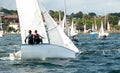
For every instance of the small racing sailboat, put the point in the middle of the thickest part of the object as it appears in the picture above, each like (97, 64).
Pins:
(55, 44)
(1, 30)
(93, 31)
(102, 34)
(73, 29)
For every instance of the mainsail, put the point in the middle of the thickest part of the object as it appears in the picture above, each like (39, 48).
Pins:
(30, 18)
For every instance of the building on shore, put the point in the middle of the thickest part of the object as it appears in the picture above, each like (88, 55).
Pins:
(119, 23)
(13, 22)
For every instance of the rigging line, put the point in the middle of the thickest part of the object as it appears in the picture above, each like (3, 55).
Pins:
(52, 28)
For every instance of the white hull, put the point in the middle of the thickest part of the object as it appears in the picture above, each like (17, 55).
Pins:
(103, 35)
(93, 33)
(45, 51)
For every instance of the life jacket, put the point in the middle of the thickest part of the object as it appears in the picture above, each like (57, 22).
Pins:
(30, 37)
(36, 37)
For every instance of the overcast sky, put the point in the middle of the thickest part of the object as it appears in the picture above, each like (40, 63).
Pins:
(100, 7)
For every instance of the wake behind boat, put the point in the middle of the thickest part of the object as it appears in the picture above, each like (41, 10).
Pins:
(55, 45)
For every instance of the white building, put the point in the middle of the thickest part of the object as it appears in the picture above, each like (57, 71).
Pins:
(119, 23)
(14, 25)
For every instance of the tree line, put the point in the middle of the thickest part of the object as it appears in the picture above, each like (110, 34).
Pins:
(80, 18)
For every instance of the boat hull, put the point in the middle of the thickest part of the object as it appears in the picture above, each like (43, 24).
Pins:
(94, 34)
(103, 35)
(45, 51)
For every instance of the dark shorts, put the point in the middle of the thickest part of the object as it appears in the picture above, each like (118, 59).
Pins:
(30, 42)
(37, 41)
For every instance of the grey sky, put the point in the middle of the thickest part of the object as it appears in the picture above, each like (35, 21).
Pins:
(100, 7)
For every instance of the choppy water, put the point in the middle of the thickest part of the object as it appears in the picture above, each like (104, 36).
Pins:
(98, 56)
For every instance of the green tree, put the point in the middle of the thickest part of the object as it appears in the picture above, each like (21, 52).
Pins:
(9, 29)
(8, 11)
(91, 14)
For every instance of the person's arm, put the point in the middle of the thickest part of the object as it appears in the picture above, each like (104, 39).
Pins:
(26, 39)
(40, 36)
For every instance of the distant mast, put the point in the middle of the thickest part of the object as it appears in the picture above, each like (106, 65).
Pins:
(66, 30)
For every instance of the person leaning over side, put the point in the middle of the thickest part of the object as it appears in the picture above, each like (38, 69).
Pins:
(37, 38)
(30, 38)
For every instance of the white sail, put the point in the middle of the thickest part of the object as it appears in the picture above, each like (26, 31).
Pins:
(108, 26)
(102, 33)
(73, 32)
(59, 18)
(85, 28)
(119, 23)
(30, 18)
(95, 24)
(101, 28)
(56, 34)
(93, 27)
(1, 30)
(63, 23)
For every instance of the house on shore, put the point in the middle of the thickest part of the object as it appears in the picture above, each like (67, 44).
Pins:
(13, 23)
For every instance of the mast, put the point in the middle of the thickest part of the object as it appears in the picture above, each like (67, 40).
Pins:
(67, 31)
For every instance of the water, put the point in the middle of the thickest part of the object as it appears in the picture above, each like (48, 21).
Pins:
(98, 56)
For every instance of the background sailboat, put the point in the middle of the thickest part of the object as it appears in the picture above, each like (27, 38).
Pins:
(102, 33)
(108, 26)
(85, 29)
(61, 22)
(119, 23)
(73, 33)
(58, 45)
(73, 29)
(93, 31)
(1, 30)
